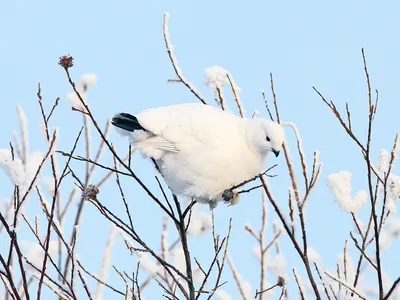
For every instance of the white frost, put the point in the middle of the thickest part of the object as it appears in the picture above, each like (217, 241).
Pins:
(340, 184)
(88, 80)
(222, 295)
(244, 285)
(301, 284)
(106, 262)
(390, 231)
(200, 223)
(14, 169)
(56, 133)
(383, 160)
(215, 77)
(256, 252)
(394, 187)
(23, 121)
(32, 165)
(277, 265)
(35, 253)
(151, 267)
(314, 256)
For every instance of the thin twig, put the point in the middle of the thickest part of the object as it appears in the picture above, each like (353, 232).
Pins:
(174, 62)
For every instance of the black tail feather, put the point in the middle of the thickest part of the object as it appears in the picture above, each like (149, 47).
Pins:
(127, 122)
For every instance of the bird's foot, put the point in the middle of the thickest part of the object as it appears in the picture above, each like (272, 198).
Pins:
(228, 195)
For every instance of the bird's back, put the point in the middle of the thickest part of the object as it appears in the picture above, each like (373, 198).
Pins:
(212, 149)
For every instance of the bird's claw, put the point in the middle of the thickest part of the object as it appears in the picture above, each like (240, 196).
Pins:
(228, 195)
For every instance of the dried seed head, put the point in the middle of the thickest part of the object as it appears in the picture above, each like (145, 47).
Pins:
(90, 192)
(281, 281)
(66, 61)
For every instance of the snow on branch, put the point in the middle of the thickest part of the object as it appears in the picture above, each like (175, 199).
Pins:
(340, 184)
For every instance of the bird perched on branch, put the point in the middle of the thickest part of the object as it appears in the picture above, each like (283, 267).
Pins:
(200, 150)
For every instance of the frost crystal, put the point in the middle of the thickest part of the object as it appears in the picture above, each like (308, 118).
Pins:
(215, 77)
(314, 256)
(340, 184)
(394, 187)
(199, 224)
(256, 252)
(390, 231)
(277, 266)
(383, 160)
(244, 285)
(32, 165)
(56, 133)
(35, 252)
(106, 263)
(300, 283)
(23, 121)
(14, 169)
(147, 264)
(88, 80)
(222, 295)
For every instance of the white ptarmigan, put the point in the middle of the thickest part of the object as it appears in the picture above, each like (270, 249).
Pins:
(200, 150)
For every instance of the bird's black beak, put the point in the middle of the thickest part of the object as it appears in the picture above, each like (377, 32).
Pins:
(275, 152)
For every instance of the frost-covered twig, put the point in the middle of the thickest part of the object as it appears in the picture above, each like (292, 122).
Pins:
(362, 251)
(221, 98)
(106, 262)
(238, 279)
(300, 202)
(148, 280)
(262, 247)
(88, 146)
(24, 133)
(220, 265)
(102, 145)
(133, 235)
(7, 285)
(14, 244)
(299, 285)
(174, 62)
(386, 178)
(9, 277)
(235, 92)
(265, 173)
(121, 191)
(85, 286)
(302, 254)
(301, 152)
(267, 106)
(59, 292)
(56, 187)
(392, 288)
(90, 161)
(281, 283)
(365, 150)
(207, 274)
(43, 247)
(183, 235)
(371, 116)
(346, 285)
(99, 280)
(103, 137)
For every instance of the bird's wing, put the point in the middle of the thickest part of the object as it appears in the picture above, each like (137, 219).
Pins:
(188, 124)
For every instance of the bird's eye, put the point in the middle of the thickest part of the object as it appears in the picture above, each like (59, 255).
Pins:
(268, 139)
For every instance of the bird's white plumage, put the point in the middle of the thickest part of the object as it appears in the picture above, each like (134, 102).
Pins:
(201, 150)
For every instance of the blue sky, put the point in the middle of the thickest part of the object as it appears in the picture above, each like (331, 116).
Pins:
(304, 44)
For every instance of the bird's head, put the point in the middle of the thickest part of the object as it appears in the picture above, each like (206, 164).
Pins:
(270, 137)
